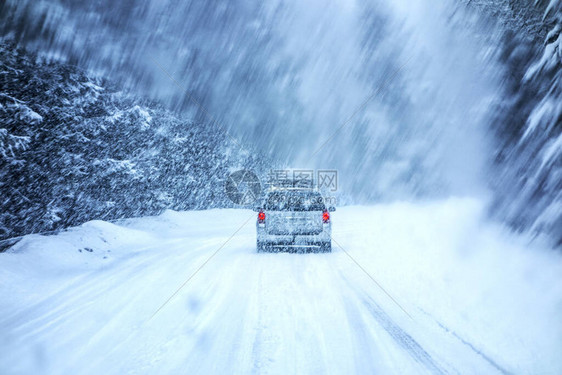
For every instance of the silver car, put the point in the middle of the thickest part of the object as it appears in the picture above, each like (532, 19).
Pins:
(294, 219)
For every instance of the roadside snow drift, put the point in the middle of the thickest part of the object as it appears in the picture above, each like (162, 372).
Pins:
(476, 299)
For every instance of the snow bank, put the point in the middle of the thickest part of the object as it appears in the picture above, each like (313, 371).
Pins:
(77, 250)
(453, 269)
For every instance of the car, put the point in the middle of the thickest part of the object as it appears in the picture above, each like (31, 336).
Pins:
(295, 220)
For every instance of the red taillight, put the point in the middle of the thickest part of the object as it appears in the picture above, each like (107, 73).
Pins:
(261, 217)
(326, 217)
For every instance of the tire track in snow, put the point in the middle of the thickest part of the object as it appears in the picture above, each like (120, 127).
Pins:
(401, 337)
(468, 344)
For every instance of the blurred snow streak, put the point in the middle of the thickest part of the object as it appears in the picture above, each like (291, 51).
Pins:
(284, 75)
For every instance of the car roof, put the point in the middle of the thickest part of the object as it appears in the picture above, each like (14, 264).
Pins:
(291, 189)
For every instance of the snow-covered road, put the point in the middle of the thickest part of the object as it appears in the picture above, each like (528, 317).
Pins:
(480, 300)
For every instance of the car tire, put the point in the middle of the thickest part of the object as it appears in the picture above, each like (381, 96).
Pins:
(326, 247)
(260, 246)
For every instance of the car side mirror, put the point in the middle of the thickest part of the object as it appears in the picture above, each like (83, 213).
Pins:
(331, 208)
(257, 209)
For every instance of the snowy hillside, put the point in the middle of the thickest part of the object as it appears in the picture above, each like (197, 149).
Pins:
(481, 301)
(73, 149)
(527, 173)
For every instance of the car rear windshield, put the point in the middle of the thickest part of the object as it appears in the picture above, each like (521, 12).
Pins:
(294, 201)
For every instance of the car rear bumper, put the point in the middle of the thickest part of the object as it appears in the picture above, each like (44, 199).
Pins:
(289, 242)
(276, 248)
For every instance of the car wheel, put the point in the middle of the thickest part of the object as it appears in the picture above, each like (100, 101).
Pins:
(326, 247)
(260, 247)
